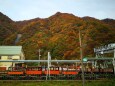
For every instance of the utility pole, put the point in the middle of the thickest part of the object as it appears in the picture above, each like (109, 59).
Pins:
(81, 57)
(48, 66)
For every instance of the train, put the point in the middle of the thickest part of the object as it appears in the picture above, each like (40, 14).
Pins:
(54, 73)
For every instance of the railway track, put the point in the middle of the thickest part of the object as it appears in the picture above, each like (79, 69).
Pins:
(47, 80)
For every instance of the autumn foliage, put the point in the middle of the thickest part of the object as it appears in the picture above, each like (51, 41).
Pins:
(58, 34)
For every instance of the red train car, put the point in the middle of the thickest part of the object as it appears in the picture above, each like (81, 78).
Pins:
(15, 71)
(67, 71)
(52, 71)
(2, 68)
(33, 71)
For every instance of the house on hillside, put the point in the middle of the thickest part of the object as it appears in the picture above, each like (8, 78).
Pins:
(11, 53)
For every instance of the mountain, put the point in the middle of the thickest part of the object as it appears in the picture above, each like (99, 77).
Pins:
(59, 34)
(7, 27)
(110, 22)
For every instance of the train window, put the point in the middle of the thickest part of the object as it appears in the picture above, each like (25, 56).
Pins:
(39, 68)
(9, 68)
(57, 68)
(65, 68)
(46, 68)
(51, 68)
(34, 68)
(29, 68)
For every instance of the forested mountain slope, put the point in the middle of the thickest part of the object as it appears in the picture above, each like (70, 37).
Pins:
(58, 34)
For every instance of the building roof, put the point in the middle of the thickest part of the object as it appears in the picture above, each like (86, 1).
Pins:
(10, 50)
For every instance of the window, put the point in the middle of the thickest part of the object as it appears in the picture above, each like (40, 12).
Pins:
(9, 57)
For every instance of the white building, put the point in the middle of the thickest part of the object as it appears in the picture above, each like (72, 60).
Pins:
(11, 53)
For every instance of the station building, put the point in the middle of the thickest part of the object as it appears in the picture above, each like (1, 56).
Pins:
(11, 53)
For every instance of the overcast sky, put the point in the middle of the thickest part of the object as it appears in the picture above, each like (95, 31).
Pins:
(28, 9)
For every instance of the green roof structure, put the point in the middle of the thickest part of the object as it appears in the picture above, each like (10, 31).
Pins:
(11, 50)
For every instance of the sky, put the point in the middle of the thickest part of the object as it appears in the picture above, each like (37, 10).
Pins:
(28, 9)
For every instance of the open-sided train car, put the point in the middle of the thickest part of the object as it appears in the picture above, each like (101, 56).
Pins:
(54, 73)
(33, 72)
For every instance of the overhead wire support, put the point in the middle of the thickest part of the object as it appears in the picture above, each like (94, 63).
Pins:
(67, 61)
(81, 57)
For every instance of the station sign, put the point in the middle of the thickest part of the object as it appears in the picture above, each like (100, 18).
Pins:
(105, 48)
